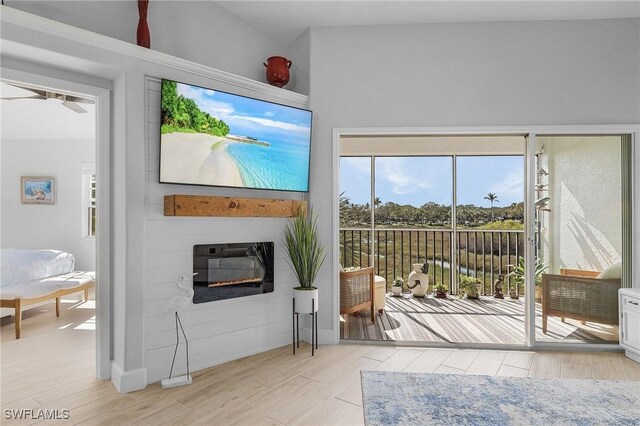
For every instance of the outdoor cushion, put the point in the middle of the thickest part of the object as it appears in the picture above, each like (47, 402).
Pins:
(613, 272)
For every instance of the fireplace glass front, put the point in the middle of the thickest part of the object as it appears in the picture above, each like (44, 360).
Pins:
(225, 271)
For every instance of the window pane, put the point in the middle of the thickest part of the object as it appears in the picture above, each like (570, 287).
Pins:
(355, 192)
(355, 211)
(91, 225)
(92, 222)
(490, 192)
(413, 192)
(579, 235)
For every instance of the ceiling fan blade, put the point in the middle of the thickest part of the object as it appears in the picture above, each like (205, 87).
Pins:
(38, 92)
(74, 107)
(79, 100)
(23, 97)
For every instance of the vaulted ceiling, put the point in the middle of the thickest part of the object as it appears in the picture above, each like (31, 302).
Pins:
(284, 21)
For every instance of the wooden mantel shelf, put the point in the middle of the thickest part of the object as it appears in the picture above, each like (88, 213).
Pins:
(204, 205)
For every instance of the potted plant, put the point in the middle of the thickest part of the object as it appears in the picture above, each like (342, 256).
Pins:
(468, 286)
(306, 256)
(518, 272)
(396, 288)
(440, 291)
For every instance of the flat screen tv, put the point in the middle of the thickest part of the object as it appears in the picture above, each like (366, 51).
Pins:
(213, 138)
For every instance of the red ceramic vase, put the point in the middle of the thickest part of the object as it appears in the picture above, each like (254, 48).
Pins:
(143, 37)
(277, 70)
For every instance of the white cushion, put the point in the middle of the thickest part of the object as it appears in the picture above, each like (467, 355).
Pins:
(613, 272)
(380, 281)
(45, 286)
(27, 290)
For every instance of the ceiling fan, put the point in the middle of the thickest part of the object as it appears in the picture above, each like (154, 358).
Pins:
(69, 101)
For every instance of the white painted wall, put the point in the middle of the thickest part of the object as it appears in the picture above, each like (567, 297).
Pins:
(300, 54)
(57, 226)
(583, 230)
(579, 72)
(218, 331)
(199, 31)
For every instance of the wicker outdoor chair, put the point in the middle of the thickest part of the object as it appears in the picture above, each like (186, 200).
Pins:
(581, 296)
(357, 291)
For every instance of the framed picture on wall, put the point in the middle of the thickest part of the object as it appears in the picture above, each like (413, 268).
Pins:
(37, 190)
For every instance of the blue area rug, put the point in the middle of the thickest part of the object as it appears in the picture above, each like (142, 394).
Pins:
(392, 398)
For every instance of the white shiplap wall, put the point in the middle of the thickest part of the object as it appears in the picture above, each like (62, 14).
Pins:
(218, 331)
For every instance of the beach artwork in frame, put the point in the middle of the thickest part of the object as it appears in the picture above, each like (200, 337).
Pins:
(37, 190)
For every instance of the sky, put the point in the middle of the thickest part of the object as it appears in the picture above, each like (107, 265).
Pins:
(251, 117)
(418, 180)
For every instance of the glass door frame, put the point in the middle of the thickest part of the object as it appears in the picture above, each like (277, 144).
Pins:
(530, 238)
(631, 222)
(530, 132)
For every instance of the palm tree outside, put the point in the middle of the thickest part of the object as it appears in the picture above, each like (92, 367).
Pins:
(493, 198)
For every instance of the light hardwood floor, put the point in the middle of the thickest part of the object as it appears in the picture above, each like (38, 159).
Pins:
(51, 367)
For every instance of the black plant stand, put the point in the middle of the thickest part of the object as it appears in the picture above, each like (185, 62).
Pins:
(296, 327)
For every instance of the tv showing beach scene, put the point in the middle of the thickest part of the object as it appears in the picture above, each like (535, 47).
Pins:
(214, 138)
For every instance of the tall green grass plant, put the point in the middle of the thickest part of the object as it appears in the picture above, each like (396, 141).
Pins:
(306, 253)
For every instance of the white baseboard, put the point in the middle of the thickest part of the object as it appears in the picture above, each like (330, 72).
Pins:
(128, 381)
(633, 355)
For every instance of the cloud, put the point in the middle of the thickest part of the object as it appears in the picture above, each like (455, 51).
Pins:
(404, 175)
(221, 110)
(511, 187)
(193, 91)
(225, 111)
(273, 123)
(359, 164)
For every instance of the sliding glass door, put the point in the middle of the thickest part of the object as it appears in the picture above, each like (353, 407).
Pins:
(540, 225)
(581, 254)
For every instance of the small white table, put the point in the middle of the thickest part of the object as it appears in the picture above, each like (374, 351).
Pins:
(629, 302)
(380, 295)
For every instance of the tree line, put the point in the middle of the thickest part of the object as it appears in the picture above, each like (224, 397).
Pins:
(429, 215)
(180, 114)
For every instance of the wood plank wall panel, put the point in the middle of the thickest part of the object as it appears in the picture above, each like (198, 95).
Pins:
(220, 331)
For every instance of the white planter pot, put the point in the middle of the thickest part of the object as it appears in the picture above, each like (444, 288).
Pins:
(396, 291)
(306, 301)
(538, 292)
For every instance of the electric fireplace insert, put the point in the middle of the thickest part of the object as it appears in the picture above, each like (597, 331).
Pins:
(225, 271)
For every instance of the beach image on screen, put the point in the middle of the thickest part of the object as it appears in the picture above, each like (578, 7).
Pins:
(215, 138)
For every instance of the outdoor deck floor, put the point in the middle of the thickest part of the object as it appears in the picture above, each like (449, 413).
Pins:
(453, 320)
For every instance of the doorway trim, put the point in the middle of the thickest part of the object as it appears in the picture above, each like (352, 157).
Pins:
(102, 99)
(338, 132)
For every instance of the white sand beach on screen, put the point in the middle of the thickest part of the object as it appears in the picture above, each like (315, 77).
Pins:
(197, 158)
